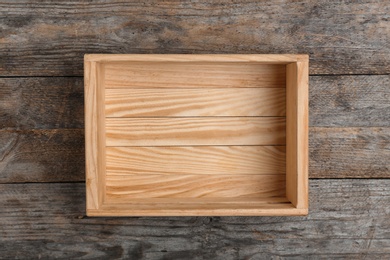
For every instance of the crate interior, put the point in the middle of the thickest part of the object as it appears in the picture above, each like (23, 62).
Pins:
(195, 134)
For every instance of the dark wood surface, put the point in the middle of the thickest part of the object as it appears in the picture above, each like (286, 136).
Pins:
(42, 194)
(50, 38)
(348, 219)
(41, 103)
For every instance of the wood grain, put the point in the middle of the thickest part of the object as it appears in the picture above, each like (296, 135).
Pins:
(94, 134)
(193, 75)
(43, 102)
(195, 131)
(349, 152)
(195, 102)
(292, 133)
(348, 219)
(177, 203)
(200, 209)
(232, 58)
(349, 37)
(42, 155)
(297, 133)
(126, 187)
(196, 160)
(356, 101)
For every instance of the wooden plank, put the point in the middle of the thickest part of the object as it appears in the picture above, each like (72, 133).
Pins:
(197, 209)
(100, 185)
(198, 58)
(349, 152)
(196, 160)
(303, 135)
(42, 155)
(348, 219)
(43, 102)
(208, 203)
(72, 29)
(193, 75)
(195, 131)
(94, 134)
(126, 187)
(297, 133)
(292, 133)
(262, 206)
(358, 101)
(195, 102)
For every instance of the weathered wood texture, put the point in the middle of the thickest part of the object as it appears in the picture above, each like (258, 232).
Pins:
(348, 219)
(345, 101)
(41, 103)
(350, 152)
(50, 38)
(58, 154)
(42, 155)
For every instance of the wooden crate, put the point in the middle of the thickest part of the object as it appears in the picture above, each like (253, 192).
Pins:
(182, 135)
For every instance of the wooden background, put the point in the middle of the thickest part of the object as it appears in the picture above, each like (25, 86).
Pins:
(42, 197)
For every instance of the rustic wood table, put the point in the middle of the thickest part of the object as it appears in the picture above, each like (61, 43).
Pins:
(42, 190)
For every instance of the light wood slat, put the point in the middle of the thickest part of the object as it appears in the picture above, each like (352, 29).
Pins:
(254, 208)
(170, 202)
(297, 154)
(195, 131)
(92, 136)
(127, 187)
(195, 102)
(197, 58)
(191, 210)
(194, 75)
(196, 160)
(191, 206)
(292, 133)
